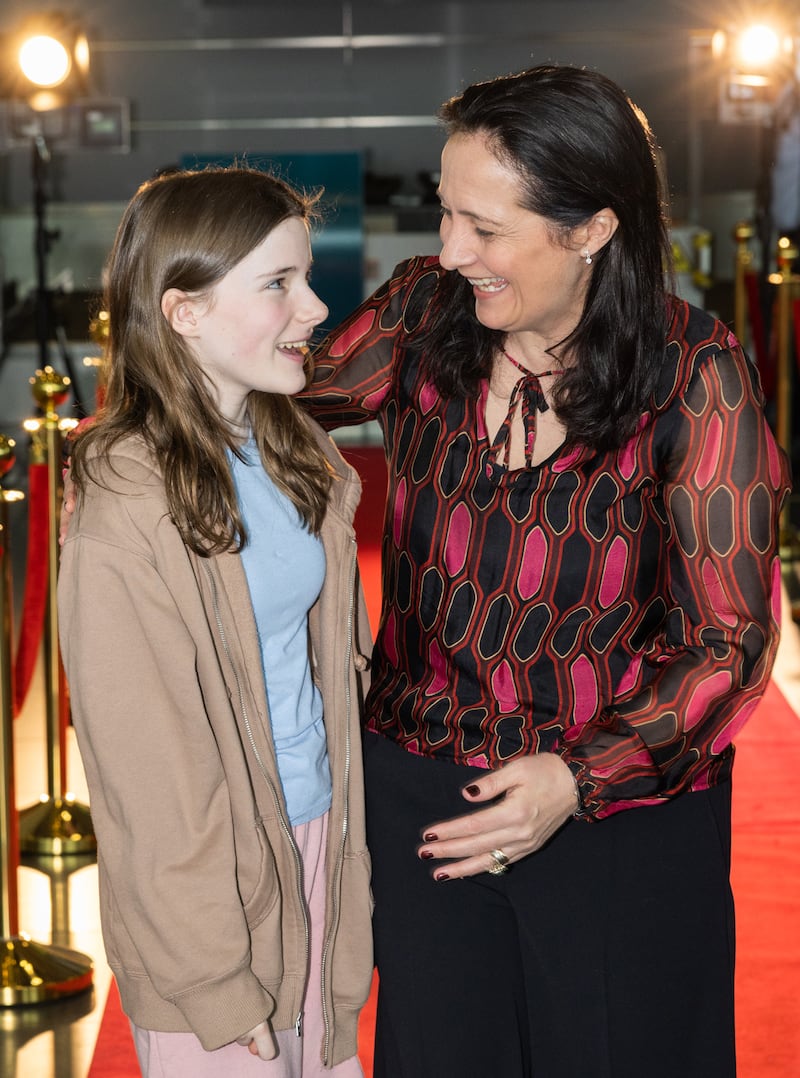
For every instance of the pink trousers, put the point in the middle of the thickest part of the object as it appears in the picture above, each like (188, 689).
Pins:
(180, 1055)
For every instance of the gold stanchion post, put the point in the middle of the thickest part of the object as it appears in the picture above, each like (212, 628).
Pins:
(8, 865)
(742, 235)
(30, 972)
(58, 824)
(786, 282)
(786, 286)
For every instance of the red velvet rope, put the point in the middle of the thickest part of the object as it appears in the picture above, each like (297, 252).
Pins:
(6, 553)
(35, 597)
(764, 360)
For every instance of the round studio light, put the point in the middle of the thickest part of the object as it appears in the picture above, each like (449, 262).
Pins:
(758, 47)
(44, 61)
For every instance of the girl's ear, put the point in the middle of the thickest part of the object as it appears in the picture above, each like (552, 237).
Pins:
(180, 311)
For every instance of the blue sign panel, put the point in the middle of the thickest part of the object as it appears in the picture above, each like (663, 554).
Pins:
(339, 245)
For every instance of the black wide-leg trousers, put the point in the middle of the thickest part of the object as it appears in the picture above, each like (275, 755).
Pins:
(608, 953)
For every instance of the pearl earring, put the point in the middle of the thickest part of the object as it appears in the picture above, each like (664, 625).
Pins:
(587, 258)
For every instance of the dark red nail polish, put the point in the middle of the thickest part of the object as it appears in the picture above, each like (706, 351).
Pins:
(441, 876)
(426, 855)
(431, 836)
(473, 790)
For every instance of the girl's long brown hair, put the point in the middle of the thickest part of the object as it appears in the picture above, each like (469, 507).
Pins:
(186, 230)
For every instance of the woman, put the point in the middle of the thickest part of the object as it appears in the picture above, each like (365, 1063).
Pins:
(580, 608)
(213, 639)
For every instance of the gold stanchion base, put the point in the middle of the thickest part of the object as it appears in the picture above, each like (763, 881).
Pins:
(37, 972)
(58, 826)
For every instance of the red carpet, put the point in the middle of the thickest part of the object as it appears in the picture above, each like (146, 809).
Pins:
(766, 885)
(766, 865)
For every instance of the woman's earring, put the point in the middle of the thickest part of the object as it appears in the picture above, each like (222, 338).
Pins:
(587, 258)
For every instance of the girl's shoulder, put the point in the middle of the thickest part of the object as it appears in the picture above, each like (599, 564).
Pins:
(129, 458)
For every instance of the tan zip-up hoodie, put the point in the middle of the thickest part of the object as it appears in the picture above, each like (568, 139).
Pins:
(200, 887)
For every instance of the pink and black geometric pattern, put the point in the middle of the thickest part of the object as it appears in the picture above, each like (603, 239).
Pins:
(619, 608)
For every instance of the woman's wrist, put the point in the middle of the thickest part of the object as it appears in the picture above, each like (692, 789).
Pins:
(577, 809)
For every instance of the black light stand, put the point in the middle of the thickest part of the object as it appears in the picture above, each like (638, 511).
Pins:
(40, 163)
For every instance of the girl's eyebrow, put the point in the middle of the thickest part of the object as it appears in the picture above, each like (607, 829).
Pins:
(278, 272)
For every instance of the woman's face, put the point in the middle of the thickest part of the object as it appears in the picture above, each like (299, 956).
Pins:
(254, 329)
(525, 279)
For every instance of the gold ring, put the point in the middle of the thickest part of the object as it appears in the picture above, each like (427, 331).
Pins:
(499, 863)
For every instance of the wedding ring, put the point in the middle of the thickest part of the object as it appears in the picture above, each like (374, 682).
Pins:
(499, 863)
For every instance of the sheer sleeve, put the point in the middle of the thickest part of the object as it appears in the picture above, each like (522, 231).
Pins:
(354, 365)
(681, 703)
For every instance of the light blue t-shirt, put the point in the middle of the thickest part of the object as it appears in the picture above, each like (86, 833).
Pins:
(285, 568)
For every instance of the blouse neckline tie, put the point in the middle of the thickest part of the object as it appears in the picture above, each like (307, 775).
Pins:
(526, 395)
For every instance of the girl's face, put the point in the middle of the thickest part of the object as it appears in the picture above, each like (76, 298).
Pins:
(525, 280)
(254, 330)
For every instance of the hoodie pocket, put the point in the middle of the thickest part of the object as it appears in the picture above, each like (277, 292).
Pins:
(353, 959)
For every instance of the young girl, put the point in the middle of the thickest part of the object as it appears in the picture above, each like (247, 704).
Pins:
(215, 639)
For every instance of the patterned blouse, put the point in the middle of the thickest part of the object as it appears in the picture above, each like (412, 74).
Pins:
(619, 608)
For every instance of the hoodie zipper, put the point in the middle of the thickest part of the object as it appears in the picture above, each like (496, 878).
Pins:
(246, 719)
(346, 813)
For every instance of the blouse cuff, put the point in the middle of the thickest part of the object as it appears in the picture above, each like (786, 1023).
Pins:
(577, 770)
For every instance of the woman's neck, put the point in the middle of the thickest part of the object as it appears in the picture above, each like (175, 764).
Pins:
(535, 355)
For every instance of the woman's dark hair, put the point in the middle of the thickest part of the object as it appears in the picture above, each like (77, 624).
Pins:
(579, 145)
